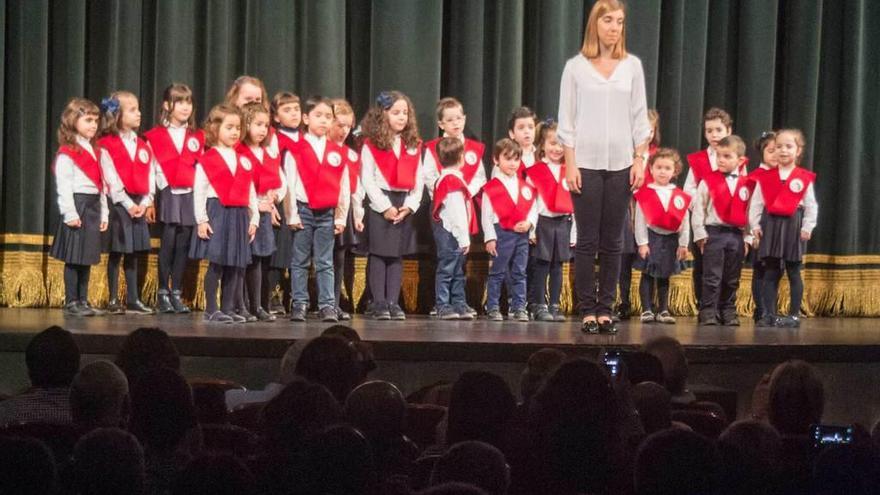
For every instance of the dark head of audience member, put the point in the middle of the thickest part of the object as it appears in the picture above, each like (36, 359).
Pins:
(577, 419)
(539, 367)
(163, 413)
(675, 366)
(27, 467)
(676, 462)
(52, 358)
(796, 398)
(108, 461)
(749, 453)
(99, 397)
(332, 362)
(215, 475)
(338, 460)
(643, 367)
(480, 408)
(476, 463)
(847, 470)
(299, 411)
(377, 408)
(147, 348)
(654, 404)
(365, 350)
(453, 489)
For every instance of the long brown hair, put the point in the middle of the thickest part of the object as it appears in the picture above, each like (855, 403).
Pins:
(73, 111)
(111, 118)
(590, 48)
(249, 112)
(215, 119)
(232, 92)
(375, 124)
(172, 95)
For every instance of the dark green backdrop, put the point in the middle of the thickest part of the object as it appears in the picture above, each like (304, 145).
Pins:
(810, 64)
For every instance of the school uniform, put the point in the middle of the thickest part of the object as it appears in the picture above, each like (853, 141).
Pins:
(720, 215)
(506, 202)
(454, 221)
(553, 231)
(390, 178)
(317, 177)
(758, 265)
(473, 172)
(287, 141)
(269, 179)
(350, 238)
(79, 185)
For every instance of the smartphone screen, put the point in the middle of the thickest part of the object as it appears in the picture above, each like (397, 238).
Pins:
(612, 362)
(830, 434)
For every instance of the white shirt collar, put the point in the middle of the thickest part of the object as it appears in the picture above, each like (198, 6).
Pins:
(658, 187)
(451, 171)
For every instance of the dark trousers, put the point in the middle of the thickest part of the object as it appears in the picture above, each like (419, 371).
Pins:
(76, 282)
(645, 286)
(723, 257)
(697, 272)
(542, 271)
(758, 283)
(599, 210)
(257, 288)
(509, 265)
(129, 266)
(384, 276)
(449, 279)
(339, 255)
(773, 275)
(173, 254)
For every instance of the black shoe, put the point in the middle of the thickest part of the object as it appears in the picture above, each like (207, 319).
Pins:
(115, 308)
(139, 308)
(342, 315)
(177, 303)
(217, 317)
(380, 312)
(327, 314)
(248, 317)
(732, 321)
(591, 327)
(767, 321)
(557, 313)
(95, 311)
(621, 313)
(297, 313)
(708, 321)
(396, 312)
(540, 312)
(72, 308)
(608, 327)
(789, 322)
(163, 302)
(264, 315)
(236, 318)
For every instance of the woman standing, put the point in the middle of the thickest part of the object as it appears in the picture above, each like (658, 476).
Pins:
(603, 126)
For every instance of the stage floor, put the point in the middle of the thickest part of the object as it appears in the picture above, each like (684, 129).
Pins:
(424, 339)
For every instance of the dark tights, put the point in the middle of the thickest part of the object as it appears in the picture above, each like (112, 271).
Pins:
(772, 276)
(385, 276)
(76, 282)
(543, 270)
(257, 291)
(231, 278)
(129, 266)
(173, 254)
(645, 286)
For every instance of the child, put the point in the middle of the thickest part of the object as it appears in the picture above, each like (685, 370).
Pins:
(662, 232)
(226, 212)
(271, 187)
(247, 89)
(508, 214)
(317, 210)
(720, 218)
(784, 212)
(555, 230)
(630, 252)
(176, 145)
(81, 202)
(350, 238)
(286, 117)
(127, 166)
(454, 222)
(766, 146)
(521, 128)
(390, 164)
(717, 124)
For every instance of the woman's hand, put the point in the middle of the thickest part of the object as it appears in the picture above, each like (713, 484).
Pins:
(637, 173)
(573, 178)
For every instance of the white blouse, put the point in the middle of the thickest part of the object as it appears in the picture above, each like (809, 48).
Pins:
(202, 189)
(178, 134)
(603, 119)
(70, 180)
(375, 184)
(115, 187)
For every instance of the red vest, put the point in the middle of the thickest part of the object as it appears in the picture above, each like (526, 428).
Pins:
(783, 197)
(732, 209)
(134, 174)
(399, 173)
(655, 215)
(473, 151)
(266, 171)
(286, 144)
(179, 167)
(322, 177)
(701, 166)
(450, 183)
(508, 212)
(354, 168)
(85, 162)
(232, 190)
(554, 192)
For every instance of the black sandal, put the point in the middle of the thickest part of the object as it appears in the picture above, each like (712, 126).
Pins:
(590, 326)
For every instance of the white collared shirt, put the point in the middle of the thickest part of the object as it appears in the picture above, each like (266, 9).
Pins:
(430, 173)
(70, 180)
(454, 213)
(375, 184)
(811, 206)
(640, 224)
(543, 211)
(178, 136)
(202, 189)
(297, 190)
(489, 218)
(115, 187)
(703, 213)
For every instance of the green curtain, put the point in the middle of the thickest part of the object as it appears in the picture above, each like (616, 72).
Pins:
(810, 64)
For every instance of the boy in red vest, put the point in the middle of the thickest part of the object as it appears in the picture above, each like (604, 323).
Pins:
(508, 213)
(454, 222)
(720, 221)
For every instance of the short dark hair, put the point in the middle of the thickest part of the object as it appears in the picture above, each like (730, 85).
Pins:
(675, 365)
(333, 362)
(520, 113)
(735, 143)
(797, 398)
(108, 460)
(480, 408)
(27, 467)
(477, 463)
(99, 396)
(301, 409)
(52, 358)
(162, 408)
(676, 461)
(449, 151)
(506, 147)
(145, 348)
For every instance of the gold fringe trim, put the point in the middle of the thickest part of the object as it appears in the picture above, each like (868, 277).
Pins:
(567, 295)
(476, 274)
(409, 286)
(358, 281)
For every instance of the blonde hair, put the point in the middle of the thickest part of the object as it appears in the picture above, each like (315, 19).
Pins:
(248, 113)
(799, 139)
(341, 106)
(173, 94)
(654, 120)
(669, 154)
(590, 48)
(235, 89)
(73, 111)
(111, 121)
(446, 104)
(215, 119)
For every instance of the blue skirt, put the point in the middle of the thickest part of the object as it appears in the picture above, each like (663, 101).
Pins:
(662, 262)
(349, 238)
(176, 209)
(80, 246)
(264, 241)
(229, 245)
(553, 235)
(388, 239)
(127, 234)
(782, 236)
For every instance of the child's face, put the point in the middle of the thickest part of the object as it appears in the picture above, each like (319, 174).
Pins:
(553, 148)
(787, 149)
(714, 130)
(610, 27)
(398, 116)
(453, 121)
(318, 119)
(523, 132)
(769, 154)
(258, 128)
(180, 111)
(341, 127)
(289, 115)
(230, 130)
(728, 160)
(663, 170)
(131, 113)
(87, 126)
(248, 93)
(508, 163)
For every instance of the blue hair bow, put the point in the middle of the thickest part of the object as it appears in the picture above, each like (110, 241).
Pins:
(549, 121)
(110, 105)
(385, 100)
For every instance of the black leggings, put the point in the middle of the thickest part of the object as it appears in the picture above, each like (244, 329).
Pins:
(231, 278)
(257, 291)
(772, 276)
(543, 270)
(173, 254)
(76, 282)
(339, 272)
(645, 286)
(129, 266)
(385, 277)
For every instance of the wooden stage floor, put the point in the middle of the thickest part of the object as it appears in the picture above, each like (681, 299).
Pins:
(423, 339)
